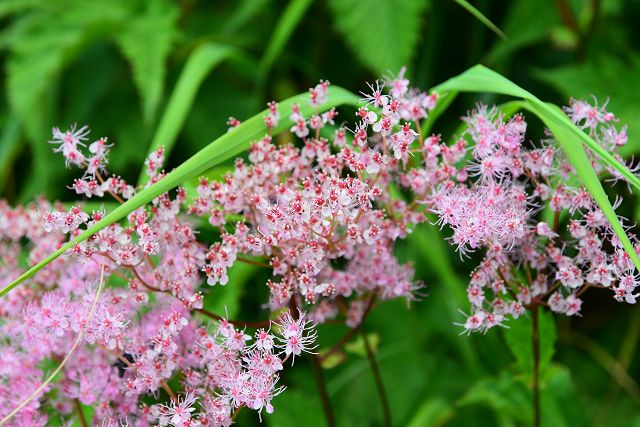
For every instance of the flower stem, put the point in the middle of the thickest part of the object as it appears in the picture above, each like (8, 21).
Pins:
(322, 390)
(536, 367)
(78, 407)
(375, 370)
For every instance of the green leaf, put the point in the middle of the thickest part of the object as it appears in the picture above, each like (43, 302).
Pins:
(504, 394)
(87, 413)
(382, 33)
(145, 41)
(200, 63)
(433, 412)
(521, 29)
(570, 138)
(294, 409)
(9, 148)
(480, 17)
(225, 147)
(223, 300)
(285, 27)
(357, 346)
(244, 11)
(511, 400)
(444, 101)
(518, 338)
(41, 44)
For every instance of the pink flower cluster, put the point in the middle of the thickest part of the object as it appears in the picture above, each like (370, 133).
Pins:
(323, 217)
(495, 203)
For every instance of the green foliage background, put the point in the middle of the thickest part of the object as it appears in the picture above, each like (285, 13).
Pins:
(161, 72)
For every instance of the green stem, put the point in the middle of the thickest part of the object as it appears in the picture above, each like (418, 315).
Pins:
(78, 407)
(536, 367)
(375, 370)
(322, 390)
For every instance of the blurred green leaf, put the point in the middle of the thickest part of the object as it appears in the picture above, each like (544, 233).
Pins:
(43, 43)
(244, 11)
(610, 80)
(432, 413)
(357, 346)
(332, 360)
(145, 41)
(511, 400)
(444, 101)
(294, 409)
(225, 300)
(87, 413)
(522, 31)
(518, 338)
(381, 33)
(283, 30)
(504, 394)
(9, 148)
(200, 63)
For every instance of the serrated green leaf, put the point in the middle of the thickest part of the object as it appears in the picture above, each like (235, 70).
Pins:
(381, 33)
(146, 43)
(200, 63)
(41, 45)
(225, 147)
(510, 399)
(570, 138)
(504, 394)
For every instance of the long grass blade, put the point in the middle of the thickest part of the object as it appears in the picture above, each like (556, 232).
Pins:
(200, 63)
(480, 17)
(227, 146)
(285, 27)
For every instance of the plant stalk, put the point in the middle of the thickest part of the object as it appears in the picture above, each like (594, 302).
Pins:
(78, 408)
(322, 390)
(375, 370)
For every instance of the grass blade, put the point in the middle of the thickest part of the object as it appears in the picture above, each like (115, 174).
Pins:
(200, 63)
(227, 146)
(283, 30)
(570, 138)
(480, 17)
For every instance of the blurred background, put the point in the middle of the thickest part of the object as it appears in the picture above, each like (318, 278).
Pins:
(119, 65)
